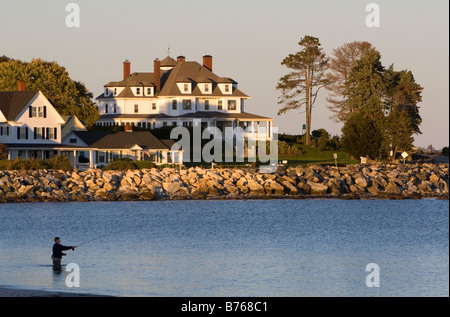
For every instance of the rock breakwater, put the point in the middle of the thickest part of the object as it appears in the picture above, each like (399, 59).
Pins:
(352, 182)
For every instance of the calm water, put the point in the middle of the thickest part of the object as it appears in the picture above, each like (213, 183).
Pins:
(231, 248)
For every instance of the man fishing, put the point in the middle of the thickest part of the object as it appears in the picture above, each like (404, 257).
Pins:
(57, 255)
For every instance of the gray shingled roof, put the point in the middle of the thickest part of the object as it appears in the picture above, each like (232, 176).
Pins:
(120, 140)
(168, 62)
(12, 103)
(191, 72)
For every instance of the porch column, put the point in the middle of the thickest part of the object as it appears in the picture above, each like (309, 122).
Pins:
(91, 159)
(75, 159)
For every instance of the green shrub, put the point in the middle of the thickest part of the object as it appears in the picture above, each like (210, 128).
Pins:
(5, 165)
(144, 165)
(121, 165)
(27, 165)
(59, 162)
(3, 152)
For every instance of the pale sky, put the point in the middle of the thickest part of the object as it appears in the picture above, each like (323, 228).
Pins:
(247, 38)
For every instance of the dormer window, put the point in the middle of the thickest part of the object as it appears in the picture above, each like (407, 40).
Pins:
(115, 91)
(138, 91)
(185, 86)
(149, 91)
(206, 87)
(106, 92)
(227, 88)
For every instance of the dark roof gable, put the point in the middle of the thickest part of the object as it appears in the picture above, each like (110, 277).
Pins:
(12, 103)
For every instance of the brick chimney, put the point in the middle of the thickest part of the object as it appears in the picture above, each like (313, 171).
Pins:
(208, 62)
(21, 85)
(126, 69)
(181, 59)
(157, 73)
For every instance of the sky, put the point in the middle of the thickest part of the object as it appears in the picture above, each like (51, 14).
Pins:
(248, 40)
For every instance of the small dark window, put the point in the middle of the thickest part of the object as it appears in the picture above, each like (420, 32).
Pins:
(232, 105)
(73, 141)
(187, 104)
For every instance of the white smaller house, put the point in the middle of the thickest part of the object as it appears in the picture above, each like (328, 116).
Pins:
(31, 128)
(29, 125)
(94, 149)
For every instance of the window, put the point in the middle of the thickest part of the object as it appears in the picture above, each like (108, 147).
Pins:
(187, 104)
(206, 105)
(227, 88)
(73, 141)
(232, 105)
(51, 133)
(185, 124)
(138, 91)
(175, 157)
(33, 112)
(106, 108)
(40, 112)
(22, 133)
(149, 91)
(206, 87)
(115, 91)
(115, 108)
(4, 131)
(38, 133)
(174, 105)
(164, 124)
(174, 124)
(186, 87)
(106, 92)
(220, 105)
(153, 106)
(136, 108)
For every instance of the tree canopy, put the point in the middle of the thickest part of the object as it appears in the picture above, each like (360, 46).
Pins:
(69, 97)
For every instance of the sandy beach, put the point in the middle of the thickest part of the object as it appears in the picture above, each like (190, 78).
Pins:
(8, 292)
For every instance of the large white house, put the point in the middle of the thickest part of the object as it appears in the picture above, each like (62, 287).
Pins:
(179, 93)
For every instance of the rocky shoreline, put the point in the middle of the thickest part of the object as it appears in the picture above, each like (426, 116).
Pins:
(352, 182)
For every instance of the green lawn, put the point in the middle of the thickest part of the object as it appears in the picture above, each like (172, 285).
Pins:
(314, 156)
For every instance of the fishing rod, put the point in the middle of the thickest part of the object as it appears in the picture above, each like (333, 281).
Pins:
(94, 239)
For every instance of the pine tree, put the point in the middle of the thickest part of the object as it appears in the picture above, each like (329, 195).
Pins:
(341, 64)
(301, 86)
(361, 136)
(365, 90)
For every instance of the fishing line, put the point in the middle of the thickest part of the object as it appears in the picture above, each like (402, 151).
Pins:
(105, 235)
